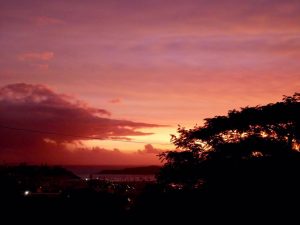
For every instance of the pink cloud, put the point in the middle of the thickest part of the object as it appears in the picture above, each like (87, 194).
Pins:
(149, 149)
(51, 153)
(46, 20)
(115, 101)
(41, 66)
(36, 56)
(64, 121)
(38, 107)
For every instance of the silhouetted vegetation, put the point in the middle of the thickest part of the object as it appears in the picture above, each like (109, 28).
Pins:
(262, 136)
(246, 163)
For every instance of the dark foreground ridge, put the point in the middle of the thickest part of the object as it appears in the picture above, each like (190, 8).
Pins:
(45, 194)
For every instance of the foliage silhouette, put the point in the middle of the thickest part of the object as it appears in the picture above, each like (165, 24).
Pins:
(242, 166)
(260, 140)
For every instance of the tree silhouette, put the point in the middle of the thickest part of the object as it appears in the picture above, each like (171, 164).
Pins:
(254, 145)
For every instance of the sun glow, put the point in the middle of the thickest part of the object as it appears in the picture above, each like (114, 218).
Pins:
(160, 139)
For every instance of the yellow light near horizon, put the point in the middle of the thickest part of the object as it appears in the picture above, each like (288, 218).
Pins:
(160, 140)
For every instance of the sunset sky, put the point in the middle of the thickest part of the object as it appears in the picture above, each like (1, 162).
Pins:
(133, 70)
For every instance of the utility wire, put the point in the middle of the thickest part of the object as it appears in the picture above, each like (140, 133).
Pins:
(71, 135)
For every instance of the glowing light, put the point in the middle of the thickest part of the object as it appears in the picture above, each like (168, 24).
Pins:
(257, 154)
(26, 193)
(263, 134)
(296, 145)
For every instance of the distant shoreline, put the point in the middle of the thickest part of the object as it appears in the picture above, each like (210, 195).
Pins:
(144, 170)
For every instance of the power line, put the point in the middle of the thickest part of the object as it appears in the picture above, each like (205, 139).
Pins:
(75, 136)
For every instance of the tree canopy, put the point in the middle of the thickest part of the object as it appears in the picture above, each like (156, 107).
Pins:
(251, 139)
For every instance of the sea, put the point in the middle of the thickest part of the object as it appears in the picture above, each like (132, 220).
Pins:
(93, 172)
